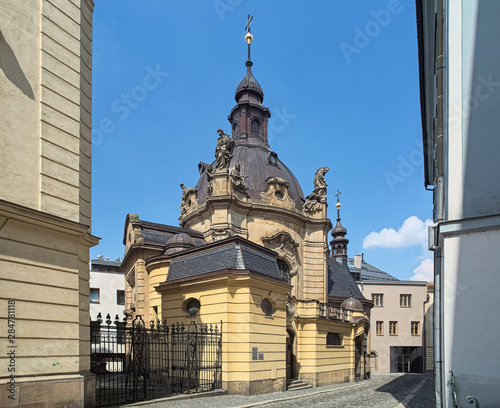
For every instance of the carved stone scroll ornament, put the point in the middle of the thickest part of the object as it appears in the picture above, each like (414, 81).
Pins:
(220, 233)
(286, 247)
(238, 180)
(314, 201)
(223, 150)
(188, 199)
(290, 306)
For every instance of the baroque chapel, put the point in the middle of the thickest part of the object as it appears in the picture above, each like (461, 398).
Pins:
(252, 251)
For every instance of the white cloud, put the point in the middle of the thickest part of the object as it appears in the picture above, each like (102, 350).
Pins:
(424, 272)
(412, 232)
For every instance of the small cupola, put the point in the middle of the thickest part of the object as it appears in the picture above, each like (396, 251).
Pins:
(339, 241)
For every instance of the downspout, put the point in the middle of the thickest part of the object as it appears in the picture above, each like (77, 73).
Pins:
(424, 330)
(439, 201)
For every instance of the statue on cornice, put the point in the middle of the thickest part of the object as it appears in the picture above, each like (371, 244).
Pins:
(315, 200)
(210, 177)
(320, 182)
(238, 180)
(187, 198)
(223, 150)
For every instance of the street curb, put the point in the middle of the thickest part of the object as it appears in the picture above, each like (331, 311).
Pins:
(256, 404)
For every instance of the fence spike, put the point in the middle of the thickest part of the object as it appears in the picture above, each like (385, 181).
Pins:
(108, 319)
(99, 318)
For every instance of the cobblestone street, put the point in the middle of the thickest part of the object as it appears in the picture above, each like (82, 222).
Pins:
(382, 390)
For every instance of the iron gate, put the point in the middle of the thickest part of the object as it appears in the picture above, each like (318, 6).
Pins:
(138, 363)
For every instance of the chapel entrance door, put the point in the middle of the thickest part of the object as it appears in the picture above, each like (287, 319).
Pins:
(358, 362)
(290, 356)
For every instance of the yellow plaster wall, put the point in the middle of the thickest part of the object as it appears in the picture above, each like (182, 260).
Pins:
(318, 363)
(235, 300)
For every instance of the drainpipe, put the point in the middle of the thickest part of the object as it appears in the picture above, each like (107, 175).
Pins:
(437, 327)
(439, 200)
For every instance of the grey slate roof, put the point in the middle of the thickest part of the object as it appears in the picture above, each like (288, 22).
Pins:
(340, 280)
(235, 254)
(158, 234)
(369, 272)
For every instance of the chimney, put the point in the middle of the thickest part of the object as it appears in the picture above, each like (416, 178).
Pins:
(357, 261)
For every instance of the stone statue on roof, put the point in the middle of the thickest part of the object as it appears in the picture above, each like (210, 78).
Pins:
(238, 180)
(223, 150)
(188, 198)
(315, 200)
(210, 177)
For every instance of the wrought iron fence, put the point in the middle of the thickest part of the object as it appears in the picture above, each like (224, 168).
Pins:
(138, 363)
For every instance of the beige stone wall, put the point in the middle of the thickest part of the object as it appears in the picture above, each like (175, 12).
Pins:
(20, 102)
(45, 133)
(236, 300)
(255, 221)
(45, 97)
(44, 269)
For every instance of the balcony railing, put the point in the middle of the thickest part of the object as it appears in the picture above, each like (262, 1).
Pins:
(316, 309)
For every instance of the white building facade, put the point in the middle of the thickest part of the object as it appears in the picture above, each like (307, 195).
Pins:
(107, 289)
(460, 100)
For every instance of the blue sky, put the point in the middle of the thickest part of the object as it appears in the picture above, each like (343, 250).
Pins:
(340, 79)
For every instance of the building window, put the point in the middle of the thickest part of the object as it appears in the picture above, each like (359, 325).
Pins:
(380, 328)
(415, 328)
(378, 299)
(255, 126)
(333, 339)
(393, 328)
(94, 295)
(120, 297)
(404, 300)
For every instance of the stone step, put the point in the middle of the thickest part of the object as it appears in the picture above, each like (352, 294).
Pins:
(294, 385)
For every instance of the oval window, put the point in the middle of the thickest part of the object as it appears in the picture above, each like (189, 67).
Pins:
(267, 307)
(193, 306)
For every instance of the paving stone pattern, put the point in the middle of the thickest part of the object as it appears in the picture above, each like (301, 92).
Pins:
(382, 390)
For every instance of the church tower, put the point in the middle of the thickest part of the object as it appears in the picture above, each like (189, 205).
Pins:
(249, 192)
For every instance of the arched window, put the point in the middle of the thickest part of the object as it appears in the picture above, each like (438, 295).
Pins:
(235, 128)
(255, 126)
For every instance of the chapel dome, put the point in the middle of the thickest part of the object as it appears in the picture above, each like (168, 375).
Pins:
(352, 304)
(178, 243)
(259, 163)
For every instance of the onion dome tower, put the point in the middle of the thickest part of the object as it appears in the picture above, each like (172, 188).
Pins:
(249, 131)
(339, 241)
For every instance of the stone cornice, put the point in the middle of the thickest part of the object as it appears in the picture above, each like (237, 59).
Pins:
(46, 220)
